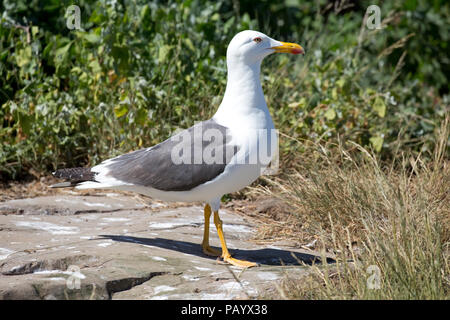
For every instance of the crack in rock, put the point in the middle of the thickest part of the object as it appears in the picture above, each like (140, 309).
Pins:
(124, 284)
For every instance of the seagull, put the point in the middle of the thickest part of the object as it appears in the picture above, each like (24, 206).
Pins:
(210, 159)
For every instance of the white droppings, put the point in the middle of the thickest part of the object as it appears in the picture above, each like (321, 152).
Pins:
(90, 216)
(56, 279)
(164, 225)
(98, 204)
(111, 194)
(214, 296)
(159, 258)
(88, 204)
(4, 253)
(66, 248)
(116, 219)
(267, 276)
(202, 269)
(157, 205)
(190, 278)
(104, 244)
(171, 225)
(65, 200)
(49, 227)
(236, 228)
(230, 286)
(163, 288)
(73, 274)
(159, 298)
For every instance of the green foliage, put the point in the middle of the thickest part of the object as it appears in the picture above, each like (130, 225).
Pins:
(75, 97)
(364, 85)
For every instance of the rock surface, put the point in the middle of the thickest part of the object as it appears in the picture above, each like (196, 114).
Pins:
(113, 246)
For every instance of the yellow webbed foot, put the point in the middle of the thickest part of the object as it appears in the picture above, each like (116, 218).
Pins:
(238, 263)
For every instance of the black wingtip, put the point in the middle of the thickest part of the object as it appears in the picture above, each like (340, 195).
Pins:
(75, 174)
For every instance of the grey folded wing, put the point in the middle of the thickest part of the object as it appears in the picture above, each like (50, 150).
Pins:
(190, 158)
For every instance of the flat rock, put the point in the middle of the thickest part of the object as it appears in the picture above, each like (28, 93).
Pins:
(69, 205)
(116, 247)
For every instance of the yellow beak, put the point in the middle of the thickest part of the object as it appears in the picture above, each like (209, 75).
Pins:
(287, 47)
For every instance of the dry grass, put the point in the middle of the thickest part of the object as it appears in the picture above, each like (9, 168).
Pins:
(388, 222)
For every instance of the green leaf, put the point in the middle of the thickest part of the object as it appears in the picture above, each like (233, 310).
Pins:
(24, 56)
(340, 83)
(334, 94)
(377, 142)
(34, 30)
(141, 116)
(370, 92)
(330, 114)
(60, 53)
(92, 37)
(26, 122)
(121, 57)
(379, 107)
(189, 44)
(163, 52)
(95, 66)
(120, 110)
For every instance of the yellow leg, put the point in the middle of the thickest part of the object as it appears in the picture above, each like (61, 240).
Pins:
(205, 243)
(225, 254)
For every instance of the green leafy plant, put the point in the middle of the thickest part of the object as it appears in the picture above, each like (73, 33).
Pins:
(138, 70)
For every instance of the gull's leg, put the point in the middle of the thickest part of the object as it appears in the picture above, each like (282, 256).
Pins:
(225, 254)
(205, 243)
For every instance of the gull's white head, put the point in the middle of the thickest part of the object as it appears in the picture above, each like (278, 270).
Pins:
(252, 46)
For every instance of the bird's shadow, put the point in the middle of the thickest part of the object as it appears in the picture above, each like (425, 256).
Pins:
(265, 256)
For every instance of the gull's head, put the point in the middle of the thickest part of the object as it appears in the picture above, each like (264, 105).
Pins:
(252, 46)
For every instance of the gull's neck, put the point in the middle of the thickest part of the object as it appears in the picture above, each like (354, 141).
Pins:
(243, 102)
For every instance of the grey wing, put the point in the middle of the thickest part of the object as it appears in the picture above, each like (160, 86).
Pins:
(175, 164)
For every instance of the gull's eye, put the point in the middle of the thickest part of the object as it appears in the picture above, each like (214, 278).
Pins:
(257, 39)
